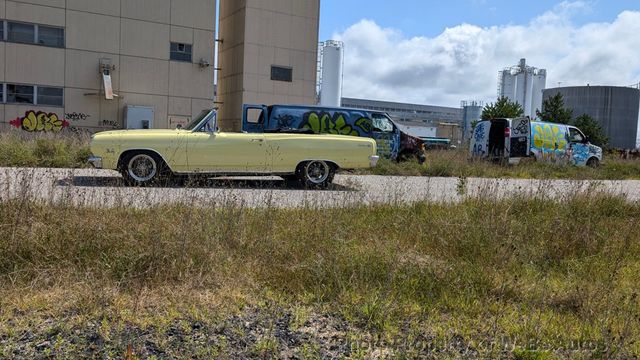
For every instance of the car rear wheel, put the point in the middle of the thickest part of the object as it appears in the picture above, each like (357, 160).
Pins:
(143, 169)
(316, 174)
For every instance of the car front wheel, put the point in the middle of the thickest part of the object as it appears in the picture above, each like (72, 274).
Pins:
(142, 169)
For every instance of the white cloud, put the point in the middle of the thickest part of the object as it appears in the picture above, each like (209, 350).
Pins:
(463, 61)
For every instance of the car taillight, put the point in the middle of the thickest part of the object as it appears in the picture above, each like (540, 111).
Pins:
(507, 132)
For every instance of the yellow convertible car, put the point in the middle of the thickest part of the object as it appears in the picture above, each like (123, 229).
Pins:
(311, 160)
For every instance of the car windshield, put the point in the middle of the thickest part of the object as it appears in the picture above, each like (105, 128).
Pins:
(199, 120)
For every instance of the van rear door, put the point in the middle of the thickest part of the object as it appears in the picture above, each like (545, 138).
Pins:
(479, 147)
(520, 138)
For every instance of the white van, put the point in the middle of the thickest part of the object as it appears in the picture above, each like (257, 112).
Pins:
(510, 140)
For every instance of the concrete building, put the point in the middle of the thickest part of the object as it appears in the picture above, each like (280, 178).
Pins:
(409, 114)
(98, 65)
(471, 112)
(267, 55)
(523, 84)
(616, 109)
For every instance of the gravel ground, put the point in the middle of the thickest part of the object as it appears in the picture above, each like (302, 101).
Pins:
(255, 333)
(89, 187)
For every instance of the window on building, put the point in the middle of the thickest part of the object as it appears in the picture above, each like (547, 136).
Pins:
(181, 52)
(2, 30)
(20, 94)
(21, 33)
(52, 96)
(50, 36)
(280, 73)
(2, 93)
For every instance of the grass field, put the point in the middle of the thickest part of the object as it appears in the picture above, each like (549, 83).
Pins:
(522, 278)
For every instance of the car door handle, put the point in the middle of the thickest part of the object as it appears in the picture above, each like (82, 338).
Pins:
(257, 140)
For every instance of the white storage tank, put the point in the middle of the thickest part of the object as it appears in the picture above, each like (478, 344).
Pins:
(332, 63)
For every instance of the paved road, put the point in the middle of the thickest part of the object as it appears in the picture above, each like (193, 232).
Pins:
(89, 187)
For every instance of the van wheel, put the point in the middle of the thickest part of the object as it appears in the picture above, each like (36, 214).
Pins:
(143, 168)
(316, 174)
(593, 163)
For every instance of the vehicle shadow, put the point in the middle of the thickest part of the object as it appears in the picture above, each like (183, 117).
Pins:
(211, 183)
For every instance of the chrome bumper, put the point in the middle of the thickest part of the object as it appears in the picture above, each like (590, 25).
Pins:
(374, 160)
(96, 162)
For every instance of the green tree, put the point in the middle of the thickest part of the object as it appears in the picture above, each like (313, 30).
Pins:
(553, 110)
(592, 129)
(503, 108)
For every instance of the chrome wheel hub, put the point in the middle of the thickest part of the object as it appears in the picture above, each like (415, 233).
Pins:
(318, 172)
(142, 168)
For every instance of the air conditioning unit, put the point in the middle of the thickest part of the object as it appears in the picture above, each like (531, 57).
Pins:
(138, 117)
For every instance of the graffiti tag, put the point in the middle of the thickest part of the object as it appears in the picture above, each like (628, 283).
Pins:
(74, 116)
(522, 127)
(110, 123)
(40, 122)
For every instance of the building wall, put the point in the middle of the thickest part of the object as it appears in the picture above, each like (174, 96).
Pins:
(409, 114)
(258, 34)
(132, 35)
(615, 108)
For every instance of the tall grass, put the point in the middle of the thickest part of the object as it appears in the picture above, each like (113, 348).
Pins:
(64, 150)
(530, 270)
(455, 163)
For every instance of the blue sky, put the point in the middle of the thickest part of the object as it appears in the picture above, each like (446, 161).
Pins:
(429, 17)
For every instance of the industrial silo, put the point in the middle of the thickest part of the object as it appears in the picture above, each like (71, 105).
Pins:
(332, 61)
(471, 112)
(615, 108)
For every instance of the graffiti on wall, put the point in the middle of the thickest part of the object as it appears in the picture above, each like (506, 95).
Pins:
(40, 122)
(337, 124)
(74, 116)
(110, 123)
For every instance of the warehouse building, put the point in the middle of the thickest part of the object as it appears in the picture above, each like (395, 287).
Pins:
(615, 108)
(97, 65)
(409, 114)
(93, 65)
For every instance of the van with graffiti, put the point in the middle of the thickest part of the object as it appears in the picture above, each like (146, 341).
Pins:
(510, 140)
(392, 142)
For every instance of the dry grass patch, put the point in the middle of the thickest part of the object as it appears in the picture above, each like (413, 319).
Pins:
(513, 278)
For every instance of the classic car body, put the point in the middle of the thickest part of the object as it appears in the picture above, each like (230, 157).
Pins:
(144, 155)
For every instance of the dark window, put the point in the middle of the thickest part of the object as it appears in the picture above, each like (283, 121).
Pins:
(381, 123)
(22, 94)
(1, 92)
(50, 96)
(576, 136)
(279, 73)
(1, 30)
(181, 52)
(21, 33)
(50, 36)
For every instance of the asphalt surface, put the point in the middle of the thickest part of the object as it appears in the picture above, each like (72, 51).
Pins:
(104, 188)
